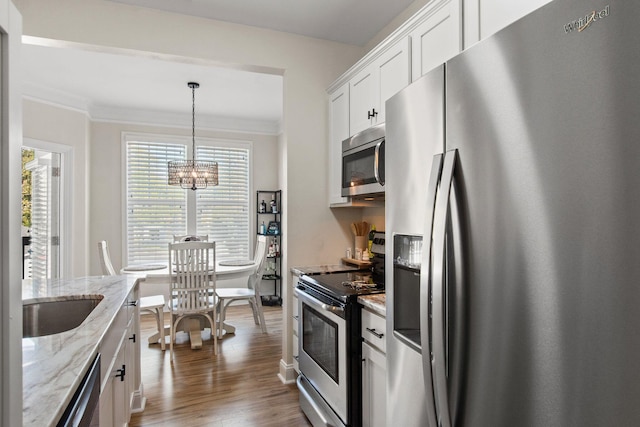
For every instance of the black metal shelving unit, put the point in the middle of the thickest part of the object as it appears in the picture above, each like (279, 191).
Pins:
(268, 222)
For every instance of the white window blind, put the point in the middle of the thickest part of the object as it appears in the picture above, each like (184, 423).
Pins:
(40, 233)
(223, 213)
(157, 211)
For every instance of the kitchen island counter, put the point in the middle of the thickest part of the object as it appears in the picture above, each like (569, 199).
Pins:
(53, 366)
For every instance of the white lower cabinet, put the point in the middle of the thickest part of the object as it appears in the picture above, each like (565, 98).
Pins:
(374, 387)
(120, 376)
(374, 370)
(294, 320)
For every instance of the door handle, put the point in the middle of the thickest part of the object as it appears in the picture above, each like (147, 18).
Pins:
(425, 289)
(375, 333)
(376, 161)
(438, 290)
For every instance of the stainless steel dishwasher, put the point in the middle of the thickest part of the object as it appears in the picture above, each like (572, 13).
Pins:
(83, 410)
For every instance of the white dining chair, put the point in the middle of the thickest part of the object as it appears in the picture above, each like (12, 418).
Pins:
(105, 259)
(250, 293)
(153, 304)
(192, 286)
(190, 238)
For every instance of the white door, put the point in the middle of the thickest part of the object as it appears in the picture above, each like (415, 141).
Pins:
(41, 215)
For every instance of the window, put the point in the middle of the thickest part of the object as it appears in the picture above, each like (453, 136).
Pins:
(157, 211)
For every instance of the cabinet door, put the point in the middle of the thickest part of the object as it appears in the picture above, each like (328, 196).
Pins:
(338, 132)
(497, 14)
(114, 395)
(106, 404)
(130, 342)
(294, 319)
(362, 99)
(120, 393)
(394, 73)
(374, 387)
(437, 39)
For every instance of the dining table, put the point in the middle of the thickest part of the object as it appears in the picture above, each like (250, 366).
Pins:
(155, 279)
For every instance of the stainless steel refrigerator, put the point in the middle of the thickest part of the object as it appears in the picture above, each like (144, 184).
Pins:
(513, 209)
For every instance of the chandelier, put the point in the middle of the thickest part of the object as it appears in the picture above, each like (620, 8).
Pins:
(192, 174)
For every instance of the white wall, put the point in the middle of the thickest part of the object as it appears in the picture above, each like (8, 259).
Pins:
(67, 127)
(10, 218)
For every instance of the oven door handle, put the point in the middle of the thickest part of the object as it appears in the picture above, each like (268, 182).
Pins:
(316, 302)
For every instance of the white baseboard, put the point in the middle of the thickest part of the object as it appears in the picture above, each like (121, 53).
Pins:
(287, 373)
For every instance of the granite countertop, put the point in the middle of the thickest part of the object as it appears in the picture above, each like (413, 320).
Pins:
(323, 269)
(53, 366)
(375, 302)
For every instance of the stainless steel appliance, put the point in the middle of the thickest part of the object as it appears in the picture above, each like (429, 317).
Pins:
(84, 408)
(517, 163)
(363, 158)
(330, 353)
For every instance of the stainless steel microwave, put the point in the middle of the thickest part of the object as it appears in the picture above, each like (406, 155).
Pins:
(363, 163)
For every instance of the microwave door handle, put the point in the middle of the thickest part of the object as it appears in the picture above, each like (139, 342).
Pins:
(425, 289)
(376, 165)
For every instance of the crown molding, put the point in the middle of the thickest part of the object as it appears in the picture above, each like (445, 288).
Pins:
(150, 118)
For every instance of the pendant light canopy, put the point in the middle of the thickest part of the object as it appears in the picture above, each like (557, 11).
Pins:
(192, 174)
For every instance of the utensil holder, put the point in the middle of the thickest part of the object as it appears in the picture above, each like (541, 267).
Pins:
(361, 242)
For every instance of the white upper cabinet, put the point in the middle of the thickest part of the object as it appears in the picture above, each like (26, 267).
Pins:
(372, 86)
(437, 39)
(483, 18)
(362, 105)
(338, 132)
(497, 14)
(394, 74)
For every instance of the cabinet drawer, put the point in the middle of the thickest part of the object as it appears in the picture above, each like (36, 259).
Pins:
(374, 330)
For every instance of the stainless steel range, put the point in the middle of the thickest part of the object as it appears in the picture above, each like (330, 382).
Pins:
(330, 352)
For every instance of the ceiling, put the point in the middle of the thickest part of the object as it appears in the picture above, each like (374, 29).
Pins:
(346, 21)
(147, 90)
(123, 87)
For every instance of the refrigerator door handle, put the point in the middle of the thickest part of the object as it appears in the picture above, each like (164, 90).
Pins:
(438, 281)
(425, 283)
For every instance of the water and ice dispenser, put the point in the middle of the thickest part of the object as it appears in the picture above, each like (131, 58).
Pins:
(407, 257)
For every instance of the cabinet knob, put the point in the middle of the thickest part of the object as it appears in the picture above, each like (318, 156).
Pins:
(371, 114)
(133, 338)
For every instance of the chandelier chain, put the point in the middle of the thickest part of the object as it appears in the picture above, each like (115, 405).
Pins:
(193, 121)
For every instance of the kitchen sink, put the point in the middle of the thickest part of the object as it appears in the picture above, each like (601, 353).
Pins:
(54, 315)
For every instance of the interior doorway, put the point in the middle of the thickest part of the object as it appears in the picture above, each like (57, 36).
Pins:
(41, 213)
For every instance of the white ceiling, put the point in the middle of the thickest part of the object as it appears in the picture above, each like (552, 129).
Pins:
(150, 90)
(346, 21)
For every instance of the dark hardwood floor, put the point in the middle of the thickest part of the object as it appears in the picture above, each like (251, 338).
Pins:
(238, 387)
